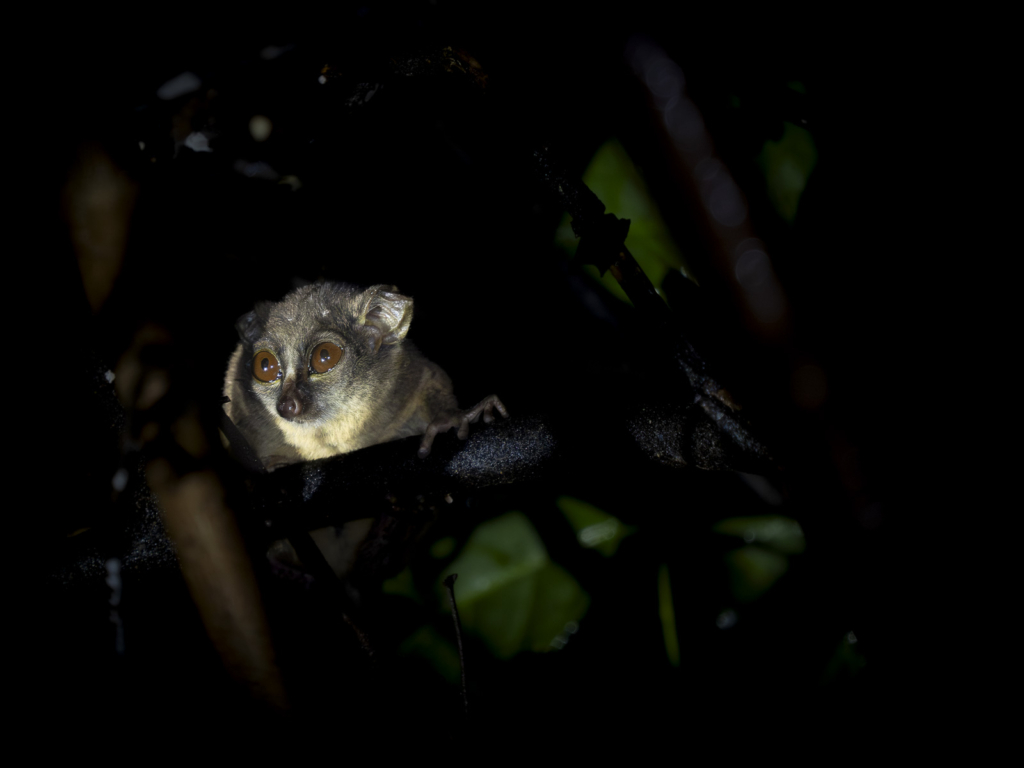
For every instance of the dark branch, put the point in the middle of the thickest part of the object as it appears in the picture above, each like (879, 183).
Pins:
(449, 583)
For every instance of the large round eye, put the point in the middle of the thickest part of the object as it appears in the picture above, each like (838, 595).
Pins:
(325, 356)
(265, 367)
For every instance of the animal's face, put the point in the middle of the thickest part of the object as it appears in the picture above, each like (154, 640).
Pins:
(315, 357)
(301, 377)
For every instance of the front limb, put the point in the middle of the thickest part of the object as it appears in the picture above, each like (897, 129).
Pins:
(461, 420)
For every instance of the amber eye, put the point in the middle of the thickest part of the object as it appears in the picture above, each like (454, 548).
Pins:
(325, 356)
(265, 367)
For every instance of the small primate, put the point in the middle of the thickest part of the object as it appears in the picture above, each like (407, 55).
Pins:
(328, 370)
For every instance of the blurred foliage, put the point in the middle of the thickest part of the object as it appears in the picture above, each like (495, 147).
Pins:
(667, 612)
(595, 529)
(509, 592)
(846, 662)
(427, 643)
(787, 165)
(754, 568)
(782, 534)
(403, 585)
(615, 180)
(443, 547)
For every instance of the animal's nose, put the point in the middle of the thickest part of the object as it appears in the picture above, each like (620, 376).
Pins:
(289, 406)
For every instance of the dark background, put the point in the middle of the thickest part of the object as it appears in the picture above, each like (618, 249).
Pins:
(428, 186)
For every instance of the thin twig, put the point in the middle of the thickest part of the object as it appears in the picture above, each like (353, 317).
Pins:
(602, 243)
(313, 558)
(449, 582)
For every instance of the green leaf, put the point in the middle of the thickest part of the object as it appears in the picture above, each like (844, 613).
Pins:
(783, 534)
(402, 584)
(615, 180)
(509, 592)
(441, 548)
(595, 528)
(667, 612)
(847, 661)
(787, 165)
(753, 570)
(427, 643)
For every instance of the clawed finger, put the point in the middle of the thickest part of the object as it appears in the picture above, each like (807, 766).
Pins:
(429, 435)
(461, 420)
(428, 440)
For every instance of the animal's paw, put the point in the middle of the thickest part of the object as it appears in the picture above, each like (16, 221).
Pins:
(461, 420)
(276, 461)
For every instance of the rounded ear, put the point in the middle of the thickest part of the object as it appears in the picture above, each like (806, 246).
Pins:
(386, 314)
(250, 325)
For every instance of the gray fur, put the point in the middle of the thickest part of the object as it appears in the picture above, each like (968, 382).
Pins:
(383, 388)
